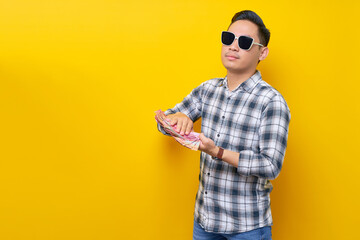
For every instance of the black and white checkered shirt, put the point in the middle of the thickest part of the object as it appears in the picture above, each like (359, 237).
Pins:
(252, 120)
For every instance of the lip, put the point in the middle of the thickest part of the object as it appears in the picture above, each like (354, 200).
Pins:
(231, 57)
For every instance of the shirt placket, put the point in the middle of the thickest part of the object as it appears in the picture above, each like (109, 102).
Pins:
(223, 115)
(208, 171)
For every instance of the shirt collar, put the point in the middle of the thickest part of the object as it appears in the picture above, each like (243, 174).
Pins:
(247, 85)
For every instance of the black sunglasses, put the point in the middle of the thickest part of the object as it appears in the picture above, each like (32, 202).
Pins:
(244, 42)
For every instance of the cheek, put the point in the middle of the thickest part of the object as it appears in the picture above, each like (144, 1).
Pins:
(222, 54)
(222, 50)
(248, 57)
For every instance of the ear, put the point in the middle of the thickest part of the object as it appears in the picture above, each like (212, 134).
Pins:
(263, 53)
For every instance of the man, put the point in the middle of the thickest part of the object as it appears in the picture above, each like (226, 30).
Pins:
(244, 135)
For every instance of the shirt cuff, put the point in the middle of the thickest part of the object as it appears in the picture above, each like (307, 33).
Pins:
(161, 129)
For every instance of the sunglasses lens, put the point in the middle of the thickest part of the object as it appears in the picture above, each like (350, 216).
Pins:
(227, 38)
(245, 42)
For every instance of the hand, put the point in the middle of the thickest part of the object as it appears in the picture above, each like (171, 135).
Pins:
(182, 121)
(160, 115)
(207, 145)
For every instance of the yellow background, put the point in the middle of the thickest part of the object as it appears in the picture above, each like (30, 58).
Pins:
(80, 155)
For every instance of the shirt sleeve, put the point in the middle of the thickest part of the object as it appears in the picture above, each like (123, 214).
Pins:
(273, 135)
(191, 106)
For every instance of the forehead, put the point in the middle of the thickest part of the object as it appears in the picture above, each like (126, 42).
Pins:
(244, 27)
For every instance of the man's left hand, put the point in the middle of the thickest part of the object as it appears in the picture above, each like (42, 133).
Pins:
(207, 145)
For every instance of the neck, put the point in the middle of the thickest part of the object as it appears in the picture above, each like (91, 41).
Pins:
(234, 79)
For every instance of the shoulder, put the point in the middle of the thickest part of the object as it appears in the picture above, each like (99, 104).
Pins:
(269, 94)
(213, 82)
(208, 85)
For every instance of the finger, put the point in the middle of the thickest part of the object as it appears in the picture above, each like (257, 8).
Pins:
(179, 124)
(201, 146)
(202, 137)
(173, 120)
(188, 128)
(163, 115)
(159, 118)
(183, 127)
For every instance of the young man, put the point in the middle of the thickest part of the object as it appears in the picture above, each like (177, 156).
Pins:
(245, 124)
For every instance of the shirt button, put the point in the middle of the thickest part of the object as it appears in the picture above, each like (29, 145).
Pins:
(218, 135)
(205, 192)
(208, 174)
(223, 117)
(228, 98)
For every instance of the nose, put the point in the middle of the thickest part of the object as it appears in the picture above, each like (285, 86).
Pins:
(234, 46)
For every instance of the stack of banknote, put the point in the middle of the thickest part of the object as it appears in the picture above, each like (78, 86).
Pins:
(191, 140)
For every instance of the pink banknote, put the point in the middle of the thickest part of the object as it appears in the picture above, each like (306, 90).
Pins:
(191, 140)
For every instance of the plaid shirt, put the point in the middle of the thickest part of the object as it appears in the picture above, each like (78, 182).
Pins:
(252, 120)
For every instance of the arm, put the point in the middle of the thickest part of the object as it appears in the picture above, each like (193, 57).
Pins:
(185, 112)
(273, 133)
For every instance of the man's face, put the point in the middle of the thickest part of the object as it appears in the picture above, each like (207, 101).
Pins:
(236, 59)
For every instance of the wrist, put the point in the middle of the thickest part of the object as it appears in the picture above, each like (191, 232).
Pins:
(215, 151)
(218, 153)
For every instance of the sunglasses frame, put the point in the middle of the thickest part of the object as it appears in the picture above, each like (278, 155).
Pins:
(235, 37)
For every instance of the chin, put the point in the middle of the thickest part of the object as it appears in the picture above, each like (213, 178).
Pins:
(232, 66)
(229, 64)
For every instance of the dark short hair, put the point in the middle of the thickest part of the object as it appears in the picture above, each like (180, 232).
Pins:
(263, 32)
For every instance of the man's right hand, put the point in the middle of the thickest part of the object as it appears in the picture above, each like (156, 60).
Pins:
(182, 121)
